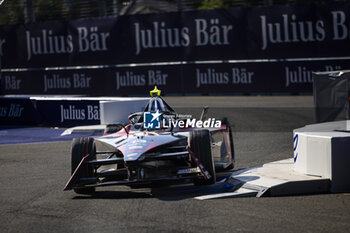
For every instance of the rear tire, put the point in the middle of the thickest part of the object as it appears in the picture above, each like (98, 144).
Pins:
(228, 126)
(80, 148)
(200, 144)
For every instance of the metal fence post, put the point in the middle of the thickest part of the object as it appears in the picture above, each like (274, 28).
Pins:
(1, 2)
(102, 8)
(116, 7)
(29, 14)
(179, 5)
(268, 2)
(1, 88)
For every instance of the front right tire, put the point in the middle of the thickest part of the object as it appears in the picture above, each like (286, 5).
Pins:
(200, 144)
(228, 126)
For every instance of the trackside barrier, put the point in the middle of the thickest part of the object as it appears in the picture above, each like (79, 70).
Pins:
(262, 49)
(17, 111)
(118, 111)
(331, 95)
(321, 164)
(323, 150)
(66, 111)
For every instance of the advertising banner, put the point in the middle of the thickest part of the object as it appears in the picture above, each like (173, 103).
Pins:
(109, 81)
(292, 77)
(17, 111)
(65, 113)
(97, 56)
(62, 113)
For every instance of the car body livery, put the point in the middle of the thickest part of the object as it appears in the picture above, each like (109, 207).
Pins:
(158, 146)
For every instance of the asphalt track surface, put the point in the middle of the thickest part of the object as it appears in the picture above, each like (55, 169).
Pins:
(32, 176)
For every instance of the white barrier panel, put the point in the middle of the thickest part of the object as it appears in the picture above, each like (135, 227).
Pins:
(271, 179)
(119, 110)
(324, 150)
(321, 164)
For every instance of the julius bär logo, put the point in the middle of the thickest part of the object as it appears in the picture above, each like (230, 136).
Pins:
(152, 120)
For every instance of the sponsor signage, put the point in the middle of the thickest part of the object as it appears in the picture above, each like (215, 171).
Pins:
(17, 111)
(256, 77)
(282, 31)
(173, 79)
(62, 113)
(264, 49)
(68, 113)
(109, 81)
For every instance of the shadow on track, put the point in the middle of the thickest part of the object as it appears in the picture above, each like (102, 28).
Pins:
(163, 192)
(115, 195)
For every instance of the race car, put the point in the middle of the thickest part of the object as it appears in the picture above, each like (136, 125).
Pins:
(158, 147)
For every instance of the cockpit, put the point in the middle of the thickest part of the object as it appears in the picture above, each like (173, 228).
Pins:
(156, 103)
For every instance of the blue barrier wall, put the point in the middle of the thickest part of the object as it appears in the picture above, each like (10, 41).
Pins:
(49, 112)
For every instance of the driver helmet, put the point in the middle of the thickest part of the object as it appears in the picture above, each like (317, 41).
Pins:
(156, 102)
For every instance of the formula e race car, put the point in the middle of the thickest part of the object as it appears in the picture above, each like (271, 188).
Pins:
(158, 147)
